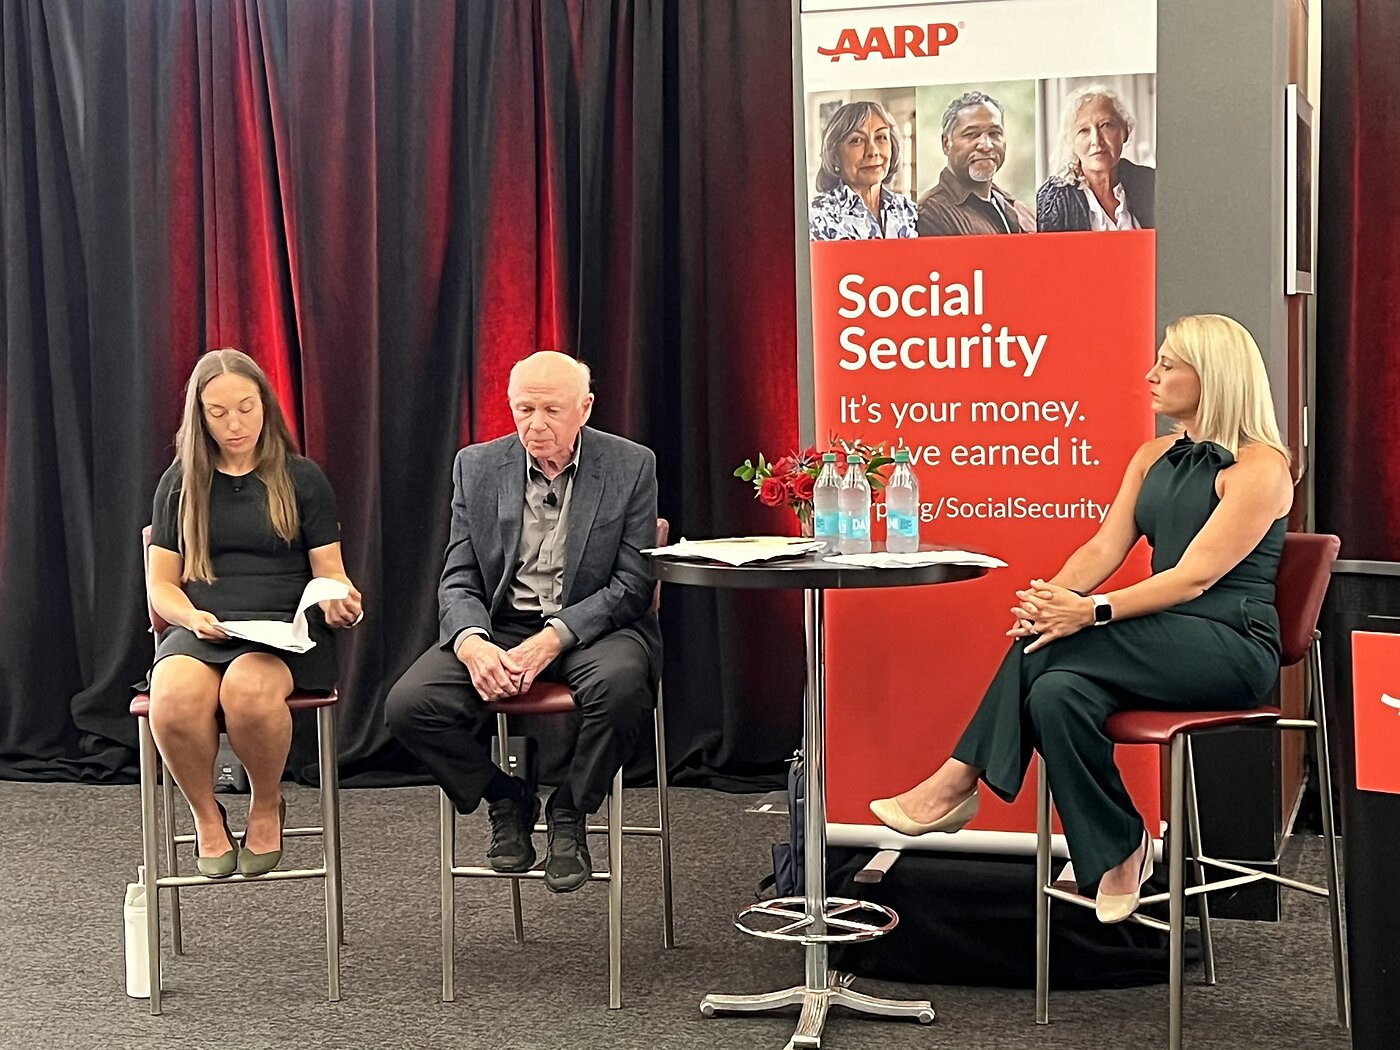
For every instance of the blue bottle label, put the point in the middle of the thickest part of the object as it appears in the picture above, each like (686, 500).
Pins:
(860, 526)
(828, 524)
(906, 525)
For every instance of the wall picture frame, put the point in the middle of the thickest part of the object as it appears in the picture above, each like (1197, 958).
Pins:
(1300, 220)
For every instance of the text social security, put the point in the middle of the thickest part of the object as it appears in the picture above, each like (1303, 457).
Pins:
(987, 347)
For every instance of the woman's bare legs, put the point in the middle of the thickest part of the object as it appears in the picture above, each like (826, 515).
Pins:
(184, 705)
(253, 695)
(934, 797)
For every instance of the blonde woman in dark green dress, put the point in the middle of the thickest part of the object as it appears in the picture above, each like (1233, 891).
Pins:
(1200, 632)
(239, 526)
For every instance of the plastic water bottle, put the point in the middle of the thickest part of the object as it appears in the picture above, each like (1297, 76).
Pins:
(902, 507)
(854, 503)
(826, 516)
(138, 976)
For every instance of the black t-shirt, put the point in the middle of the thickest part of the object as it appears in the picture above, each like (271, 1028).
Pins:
(257, 574)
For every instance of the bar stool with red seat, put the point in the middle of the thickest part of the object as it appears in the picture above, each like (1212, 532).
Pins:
(328, 831)
(554, 698)
(1303, 575)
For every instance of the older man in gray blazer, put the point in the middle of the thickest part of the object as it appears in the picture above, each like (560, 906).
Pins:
(543, 579)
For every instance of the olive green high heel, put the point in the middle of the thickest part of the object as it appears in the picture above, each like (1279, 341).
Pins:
(252, 864)
(225, 864)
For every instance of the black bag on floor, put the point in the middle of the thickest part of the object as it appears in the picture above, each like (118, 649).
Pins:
(786, 879)
(969, 919)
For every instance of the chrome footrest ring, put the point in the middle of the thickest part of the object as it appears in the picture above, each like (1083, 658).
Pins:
(787, 919)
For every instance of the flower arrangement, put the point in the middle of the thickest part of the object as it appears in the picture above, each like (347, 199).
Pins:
(791, 478)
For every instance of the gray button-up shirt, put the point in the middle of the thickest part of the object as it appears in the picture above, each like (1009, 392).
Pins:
(538, 583)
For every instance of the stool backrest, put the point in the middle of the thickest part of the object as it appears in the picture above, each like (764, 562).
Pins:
(158, 624)
(663, 533)
(1303, 574)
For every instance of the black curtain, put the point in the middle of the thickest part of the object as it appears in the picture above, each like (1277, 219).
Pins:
(387, 204)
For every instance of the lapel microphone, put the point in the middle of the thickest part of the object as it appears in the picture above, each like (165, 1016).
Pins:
(238, 483)
(550, 499)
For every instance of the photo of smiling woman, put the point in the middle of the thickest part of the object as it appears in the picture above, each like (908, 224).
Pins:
(240, 524)
(1095, 187)
(860, 155)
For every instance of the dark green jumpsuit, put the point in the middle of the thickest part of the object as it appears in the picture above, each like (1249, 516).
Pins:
(1217, 651)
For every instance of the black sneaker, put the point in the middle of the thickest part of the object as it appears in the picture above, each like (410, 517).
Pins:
(567, 864)
(512, 824)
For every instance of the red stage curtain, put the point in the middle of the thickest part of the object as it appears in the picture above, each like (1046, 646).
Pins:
(1358, 285)
(387, 204)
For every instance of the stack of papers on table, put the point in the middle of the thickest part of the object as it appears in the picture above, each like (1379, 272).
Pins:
(294, 637)
(885, 560)
(740, 550)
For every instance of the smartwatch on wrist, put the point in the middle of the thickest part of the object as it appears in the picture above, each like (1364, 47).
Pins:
(1103, 609)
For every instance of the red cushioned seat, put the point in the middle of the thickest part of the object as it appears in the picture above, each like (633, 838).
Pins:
(141, 702)
(1158, 727)
(544, 698)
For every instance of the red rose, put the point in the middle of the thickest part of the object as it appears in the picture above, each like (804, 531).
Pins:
(802, 486)
(772, 493)
(784, 467)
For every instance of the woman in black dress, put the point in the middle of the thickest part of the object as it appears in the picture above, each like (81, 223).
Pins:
(1200, 632)
(240, 524)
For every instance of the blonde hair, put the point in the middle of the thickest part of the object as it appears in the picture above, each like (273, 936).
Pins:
(1236, 408)
(1067, 160)
(196, 451)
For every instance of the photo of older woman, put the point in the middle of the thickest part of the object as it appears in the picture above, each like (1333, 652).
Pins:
(860, 155)
(1096, 187)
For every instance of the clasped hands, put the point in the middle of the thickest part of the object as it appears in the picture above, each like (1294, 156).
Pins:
(498, 673)
(1049, 611)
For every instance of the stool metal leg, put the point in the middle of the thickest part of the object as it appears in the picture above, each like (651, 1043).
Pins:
(614, 893)
(503, 755)
(150, 859)
(330, 846)
(1340, 966)
(1177, 891)
(1193, 820)
(1042, 899)
(447, 843)
(663, 809)
(336, 850)
(172, 856)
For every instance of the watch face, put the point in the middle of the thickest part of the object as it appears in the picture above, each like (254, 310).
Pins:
(1103, 612)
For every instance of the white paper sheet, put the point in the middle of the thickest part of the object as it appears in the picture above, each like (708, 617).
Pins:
(885, 560)
(740, 550)
(294, 637)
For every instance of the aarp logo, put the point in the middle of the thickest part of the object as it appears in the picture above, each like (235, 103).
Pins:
(921, 41)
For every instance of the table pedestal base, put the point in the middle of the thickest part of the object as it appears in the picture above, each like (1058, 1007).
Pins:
(815, 1003)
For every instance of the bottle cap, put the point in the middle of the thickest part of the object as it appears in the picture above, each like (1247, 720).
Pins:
(901, 455)
(853, 457)
(828, 457)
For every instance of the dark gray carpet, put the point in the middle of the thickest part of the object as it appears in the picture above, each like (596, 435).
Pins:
(254, 975)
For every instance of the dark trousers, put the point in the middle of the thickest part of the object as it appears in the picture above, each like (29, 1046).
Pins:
(1057, 699)
(435, 712)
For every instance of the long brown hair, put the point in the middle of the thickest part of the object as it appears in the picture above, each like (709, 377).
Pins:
(197, 452)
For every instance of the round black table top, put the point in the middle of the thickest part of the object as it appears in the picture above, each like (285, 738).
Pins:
(809, 572)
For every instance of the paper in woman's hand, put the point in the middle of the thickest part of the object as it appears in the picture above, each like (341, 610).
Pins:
(294, 637)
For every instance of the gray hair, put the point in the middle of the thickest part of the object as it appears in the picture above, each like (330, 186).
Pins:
(1066, 162)
(844, 121)
(964, 101)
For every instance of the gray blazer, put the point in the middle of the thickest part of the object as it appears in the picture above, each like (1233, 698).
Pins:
(608, 584)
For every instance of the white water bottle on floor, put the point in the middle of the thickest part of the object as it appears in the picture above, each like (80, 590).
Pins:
(826, 512)
(902, 507)
(854, 500)
(138, 974)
